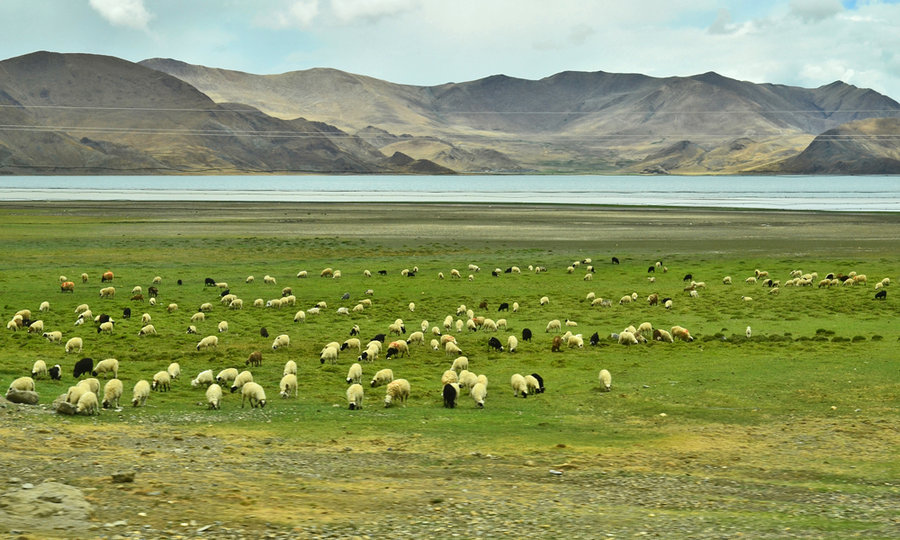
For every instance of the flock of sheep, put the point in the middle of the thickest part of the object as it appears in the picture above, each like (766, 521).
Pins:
(84, 397)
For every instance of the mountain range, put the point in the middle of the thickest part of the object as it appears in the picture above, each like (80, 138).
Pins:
(90, 114)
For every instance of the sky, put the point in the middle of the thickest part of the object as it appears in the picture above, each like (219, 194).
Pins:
(806, 43)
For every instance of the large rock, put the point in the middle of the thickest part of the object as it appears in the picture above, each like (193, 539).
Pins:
(51, 508)
(62, 406)
(26, 397)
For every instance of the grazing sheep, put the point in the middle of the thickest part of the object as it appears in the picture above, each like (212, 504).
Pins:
(112, 391)
(511, 344)
(748, 332)
(553, 325)
(605, 380)
(537, 377)
(84, 277)
(243, 378)
(106, 327)
(207, 342)
(448, 377)
(519, 385)
(397, 390)
(109, 292)
(281, 341)
(466, 379)
(459, 325)
(451, 348)
(222, 326)
(575, 341)
(191, 329)
(214, 396)
(74, 345)
(253, 393)
(373, 348)
(478, 393)
(174, 370)
(87, 404)
(255, 359)
(532, 384)
(330, 354)
(668, 304)
(355, 396)
(398, 347)
(383, 376)
(148, 330)
(556, 345)
(39, 369)
(679, 332)
(746, 298)
(204, 377)
(495, 344)
(161, 381)
(290, 367)
(435, 345)
(140, 393)
(627, 338)
(450, 393)
(22, 384)
(662, 335)
(545, 300)
(288, 386)
(109, 365)
(354, 374)
(881, 295)
(416, 337)
(227, 375)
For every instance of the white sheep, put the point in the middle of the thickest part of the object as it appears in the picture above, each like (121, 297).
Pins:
(478, 393)
(174, 370)
(300, 316)
(545, 300)
(161, 381)
(107, 292)
(511, 343)
(45, 306)
(259, 302)
(214, 396)
(448, 377)
(145, 318)
(627, 338)
(682, 333)
(152, 301)
(748, 332)
(302, 274)
(726, 280)
(668, 304)
(22, 384)
(482, 379)
(605, 380)
(281, 341)
(663, 335)
(553, 325)
(191, 329)
(288, 386)
(460, 363)
(575, 341)
(74, 393)
(532, 384)
(198, 317)
(81, 308)
(74, 345)
(435, 345)
(90, 384)
(222, 326)
(354, 374)
(172, 307)
(137, 290)
(148, 330)
(515, 307)
(87, 404)
(329, 354)
(416, 337)
(39, 369)
(237, 303)
(269, 280)
(253, 393)
(204, 377)
(207, 342)
(112, 391)
(383, 376)
(355, 396)
(227, 375)
(352, 343)
(290, 368)
(397, 390)
(467, 379)
(108, 365)
(241, 380)
(451, 348)
(519, 386)
(53, 336)
(141, 392)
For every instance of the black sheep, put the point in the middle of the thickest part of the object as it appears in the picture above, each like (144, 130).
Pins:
(503, 307)
(263, 332)
(450, 394)
(526, 334)
(615, 260)
(209, 282)
(85, 365)
(495, 273)
(378, 337)
(540, 381)
(345, 296)
(495, 344)
(153, 292)
(382, 272)
(595, 338)
(881, 295)
(687, 277)
(651, 269)
(126, 313)
(55, 372)
(225, 293)
(103, 318)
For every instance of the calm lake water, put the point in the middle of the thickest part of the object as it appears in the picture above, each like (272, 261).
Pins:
(832, 193)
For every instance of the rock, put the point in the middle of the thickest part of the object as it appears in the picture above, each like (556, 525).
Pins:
(50, 506)
(61, 406)
(123, 477)
(25, 397)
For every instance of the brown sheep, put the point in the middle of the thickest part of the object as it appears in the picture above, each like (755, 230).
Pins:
(557, 343)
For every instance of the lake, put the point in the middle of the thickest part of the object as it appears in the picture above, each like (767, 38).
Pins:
(829, 193)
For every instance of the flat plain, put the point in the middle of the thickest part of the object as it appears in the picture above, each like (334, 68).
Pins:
(789, 433)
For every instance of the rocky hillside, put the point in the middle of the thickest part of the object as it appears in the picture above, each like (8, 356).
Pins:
(90, 114)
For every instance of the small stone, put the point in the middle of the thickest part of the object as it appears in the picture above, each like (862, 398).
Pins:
(27, 485)
(123, 477)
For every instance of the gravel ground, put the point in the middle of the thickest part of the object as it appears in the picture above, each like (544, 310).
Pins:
(190, 484)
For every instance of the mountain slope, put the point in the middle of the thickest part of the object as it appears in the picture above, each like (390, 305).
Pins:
(94, 114)
(571, 121)
(861, 147)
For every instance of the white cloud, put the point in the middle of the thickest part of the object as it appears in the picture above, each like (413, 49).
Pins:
(350, 10)
(127, 13)
(298, 14)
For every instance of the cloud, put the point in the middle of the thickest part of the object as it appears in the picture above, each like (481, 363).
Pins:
(297, 14)
(127, 13)
(815, 10)
(351, 10)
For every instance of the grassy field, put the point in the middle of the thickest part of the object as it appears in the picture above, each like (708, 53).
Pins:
(790, 433)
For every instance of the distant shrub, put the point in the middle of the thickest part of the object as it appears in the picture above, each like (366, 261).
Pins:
(819, 338)
(823, 332)
(839, 339)
(876, 337)
(857, 339)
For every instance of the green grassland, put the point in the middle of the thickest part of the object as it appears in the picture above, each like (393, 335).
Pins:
(807, 408)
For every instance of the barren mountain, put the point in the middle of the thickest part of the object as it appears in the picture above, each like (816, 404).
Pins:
(78, 113)
(570, 122)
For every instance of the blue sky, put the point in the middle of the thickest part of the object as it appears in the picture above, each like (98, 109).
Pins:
(426, 42)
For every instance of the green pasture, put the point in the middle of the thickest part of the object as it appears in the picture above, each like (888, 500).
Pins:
(826, 358)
